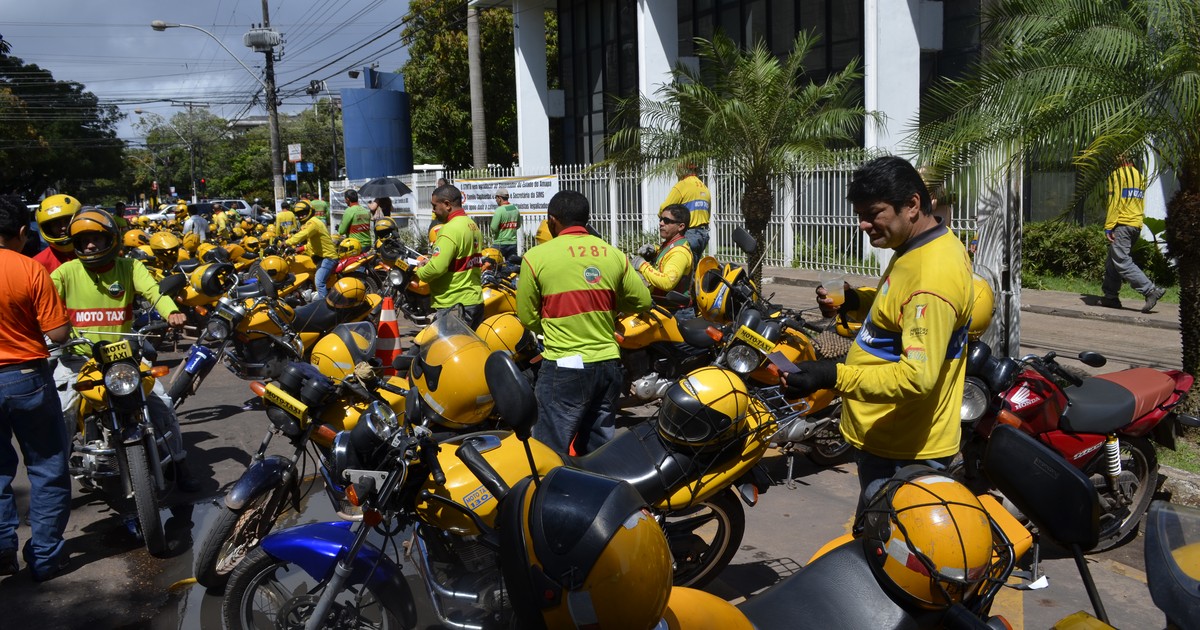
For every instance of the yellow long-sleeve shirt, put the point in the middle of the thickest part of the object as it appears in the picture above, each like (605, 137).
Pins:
(316, 236)
(1126, 198)
(671, 270)
(902, 381)
(691, 192)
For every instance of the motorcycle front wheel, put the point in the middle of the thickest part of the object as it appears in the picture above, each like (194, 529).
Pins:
(266, 592)
(1138, 481)
(704, 538)
(145, 499)
(233, 534)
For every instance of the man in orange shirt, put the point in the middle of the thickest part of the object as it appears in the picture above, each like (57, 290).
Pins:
(29, 410)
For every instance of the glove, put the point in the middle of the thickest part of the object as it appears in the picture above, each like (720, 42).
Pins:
(638, 261)
(647, 251)
(812, 376)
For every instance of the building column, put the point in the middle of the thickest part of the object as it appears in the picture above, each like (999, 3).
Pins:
(658, 50)
(533, 120)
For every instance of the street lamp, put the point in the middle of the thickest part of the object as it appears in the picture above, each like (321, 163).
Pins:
(261, 40)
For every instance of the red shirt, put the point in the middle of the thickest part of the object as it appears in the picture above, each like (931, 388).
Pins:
(52, 259)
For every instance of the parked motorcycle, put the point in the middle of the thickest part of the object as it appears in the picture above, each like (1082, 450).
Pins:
(307, 406)
(411, 295)
(1102, 425)
(115, 446)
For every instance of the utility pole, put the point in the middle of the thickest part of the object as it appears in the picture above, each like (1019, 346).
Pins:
(192, 151)
(479, 157)
(273, 114)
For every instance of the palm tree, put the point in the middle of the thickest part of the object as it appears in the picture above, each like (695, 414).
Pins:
(1090, 79)
(748, 112)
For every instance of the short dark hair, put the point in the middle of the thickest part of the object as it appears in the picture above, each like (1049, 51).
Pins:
(449, 192)
(570, 208)
(13, 216)
(678, 212)
(890, 179)
(351, 194)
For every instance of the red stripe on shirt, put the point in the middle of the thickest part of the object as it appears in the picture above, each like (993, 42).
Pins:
(359, 228)
(463, 264)
(570, 303)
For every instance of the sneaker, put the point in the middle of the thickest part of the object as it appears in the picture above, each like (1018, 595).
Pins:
(1152, 299)
(1110, 302)
(8, 562)
(58, 569)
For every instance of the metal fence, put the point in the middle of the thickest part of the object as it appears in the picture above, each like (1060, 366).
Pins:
(812, 227)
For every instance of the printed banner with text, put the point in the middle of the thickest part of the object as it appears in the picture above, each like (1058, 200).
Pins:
(530, 194)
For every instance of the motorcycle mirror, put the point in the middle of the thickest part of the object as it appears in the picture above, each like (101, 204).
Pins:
(1092, 359)
(265, 284)
(677, 299)
(978, 353)
(172, 284)
(512, 393)
(744, 241)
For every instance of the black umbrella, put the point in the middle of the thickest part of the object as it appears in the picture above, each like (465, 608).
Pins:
(383, 187)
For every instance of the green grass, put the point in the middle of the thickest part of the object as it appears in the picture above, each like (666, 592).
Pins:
(1088, 287)
(1187, 453)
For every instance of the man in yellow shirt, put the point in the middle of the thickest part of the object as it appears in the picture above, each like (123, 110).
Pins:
(902, 381)
(693, 194)
(1122, 227)
(318, 244)
(672, 266)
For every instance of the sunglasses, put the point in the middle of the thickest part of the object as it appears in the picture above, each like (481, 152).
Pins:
(669, 221)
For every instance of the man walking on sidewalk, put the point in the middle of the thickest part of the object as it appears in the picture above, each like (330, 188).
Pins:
(1123, 226)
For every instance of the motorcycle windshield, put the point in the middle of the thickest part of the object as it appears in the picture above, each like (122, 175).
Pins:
(358, 339)
(445, 339)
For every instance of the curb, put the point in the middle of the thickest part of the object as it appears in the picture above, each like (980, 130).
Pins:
(1032, 308)
(1182, 486)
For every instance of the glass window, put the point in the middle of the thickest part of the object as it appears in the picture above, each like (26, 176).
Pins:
(731, 23)
(783, 26)
(756, 22)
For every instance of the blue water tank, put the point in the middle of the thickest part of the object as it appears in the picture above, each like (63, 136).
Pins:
(378, 131)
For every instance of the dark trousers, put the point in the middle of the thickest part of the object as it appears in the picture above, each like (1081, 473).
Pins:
(578, 405)
(471, 315)
(874, 470)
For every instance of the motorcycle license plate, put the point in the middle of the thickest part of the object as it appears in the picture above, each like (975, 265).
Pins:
(754, 339)
(115, 351)
(285, 401)
(401, 265)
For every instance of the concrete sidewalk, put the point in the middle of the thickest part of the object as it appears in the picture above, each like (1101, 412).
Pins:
(1073, 305)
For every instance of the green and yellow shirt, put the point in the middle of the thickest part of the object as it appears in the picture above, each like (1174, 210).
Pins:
(453, 270)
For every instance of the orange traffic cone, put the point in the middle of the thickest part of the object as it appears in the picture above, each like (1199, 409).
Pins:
(387, 342)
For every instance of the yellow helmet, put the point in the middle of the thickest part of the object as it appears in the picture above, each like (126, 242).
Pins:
(250, 244)
(134, 238)
(203, 250)
(493, 256)
(618, 575)
(711, 286)
(984, 305)
(303, 211)
(146, 251)
(543, 232)
(88, 223)
(385, 228)
(247, 225)
(166, 245)
(349, 247)
(276, 267)
(336, 354)
(506, 333)
(213, 279)
(433, 232)
(239, 232)
(446, 374)
(191, 241)
(705, 410)
(929, 539)
(181, 209)
(53, 216)
(347, 292)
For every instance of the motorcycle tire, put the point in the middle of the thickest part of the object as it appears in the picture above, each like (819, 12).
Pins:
(232, 535)
(369, 281)
(145, 498)
(828, 447)
(704, 538)
(1139, 471)
(266, 592)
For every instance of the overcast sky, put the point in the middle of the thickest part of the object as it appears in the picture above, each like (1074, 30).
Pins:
(111, 49)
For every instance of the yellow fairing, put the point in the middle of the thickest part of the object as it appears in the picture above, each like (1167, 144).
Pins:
(497, 300)
(92, 399)
(690, 609)
(463, 487)
(796, 348)
(418, 287)
(191, 297)
(643, 329)
(259, 320)
(1080, 621)
(760, 424)
(344, 416)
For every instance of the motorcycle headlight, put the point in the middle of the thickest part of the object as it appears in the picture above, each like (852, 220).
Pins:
(975, 400)
(122, 379)
(396, 278)
(382, 420)
(344, 456)
(743, 359)
(217, 329)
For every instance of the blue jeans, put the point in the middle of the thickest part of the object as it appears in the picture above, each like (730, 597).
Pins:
(697, 238)
(29, 410)
(578, 405)
(874, 470)
(323, 270)
(1120, 266)
(507, 251)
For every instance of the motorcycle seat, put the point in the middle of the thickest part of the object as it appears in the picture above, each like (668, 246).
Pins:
(1104, 404)
(318, 316)
(837, 590)
(695, 333)
(248, 290)
(640, 457)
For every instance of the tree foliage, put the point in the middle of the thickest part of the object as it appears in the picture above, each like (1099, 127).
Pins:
(53, 133)
(748, 112)
(436, 78)
(1089, 79)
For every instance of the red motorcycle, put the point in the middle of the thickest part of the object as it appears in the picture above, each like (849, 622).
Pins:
(1103, 425)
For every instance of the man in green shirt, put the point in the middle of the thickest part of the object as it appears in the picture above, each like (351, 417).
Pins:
(506, 223)
(356, 221)
(453, 270)
(320, 207)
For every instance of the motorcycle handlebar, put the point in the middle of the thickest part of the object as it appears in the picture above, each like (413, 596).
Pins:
(482, 469)
(429, 451)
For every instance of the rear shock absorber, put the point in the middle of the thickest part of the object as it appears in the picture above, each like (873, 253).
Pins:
(1112, 462)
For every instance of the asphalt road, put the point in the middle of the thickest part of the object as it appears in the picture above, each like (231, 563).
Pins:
(114, 583)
